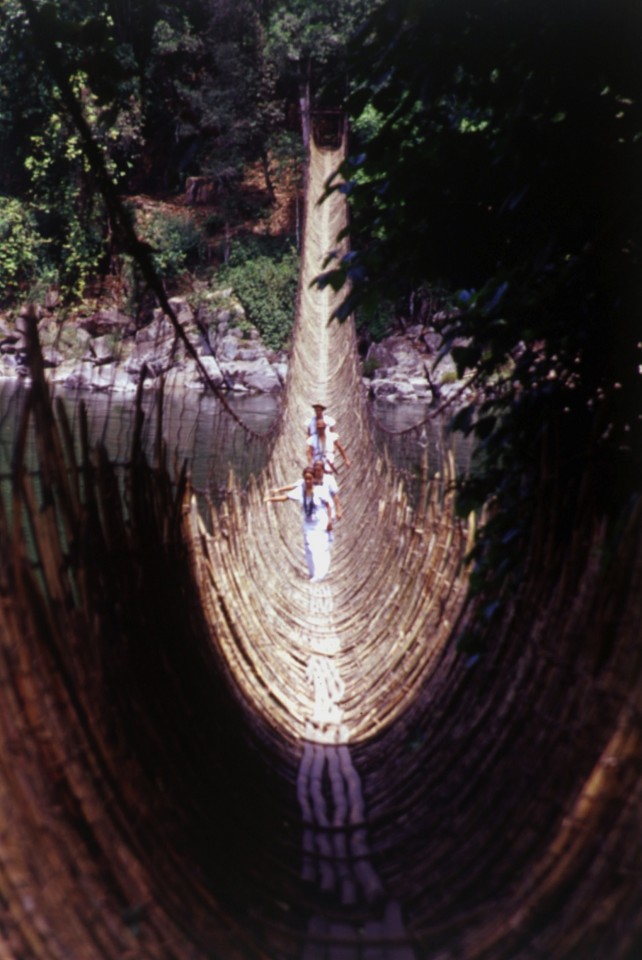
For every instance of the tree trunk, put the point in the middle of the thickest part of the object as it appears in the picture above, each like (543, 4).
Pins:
(269, 186)
(304, 104)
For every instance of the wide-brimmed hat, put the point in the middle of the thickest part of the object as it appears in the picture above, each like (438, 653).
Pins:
(322, 405)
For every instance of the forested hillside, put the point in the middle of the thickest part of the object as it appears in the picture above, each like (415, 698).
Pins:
(492, 175)
(503, 143)
(192, 115)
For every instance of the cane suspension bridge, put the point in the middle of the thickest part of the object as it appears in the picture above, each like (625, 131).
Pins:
(204, 755)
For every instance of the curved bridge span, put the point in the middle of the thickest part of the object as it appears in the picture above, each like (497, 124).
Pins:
(204, 756)
(395, 586)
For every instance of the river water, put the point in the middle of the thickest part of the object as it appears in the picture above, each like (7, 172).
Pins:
(197, 429)
(338, 866)
(194, 427)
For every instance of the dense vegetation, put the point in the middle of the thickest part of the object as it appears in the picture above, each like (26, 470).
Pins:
(495, 151)
(137, 98)
(497, 155)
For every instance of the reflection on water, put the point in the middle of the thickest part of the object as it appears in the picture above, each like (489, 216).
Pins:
(353, 911)
(196, 428)
(412, 435)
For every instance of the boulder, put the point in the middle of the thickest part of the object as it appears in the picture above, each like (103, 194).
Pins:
(157, 347)
(52, 357)
(213, 370)
(120, 381)
(156, 357)
(231, 347)
(184, 376)
(109, 320)
(182, 310)
(101, 350)
(160, 328)
(280, 367)
(27, 310)
(381, 355)
(406, 355)
(415, 331)
(421, 388)
(8, 367)
(236, 332)
(11, 344)
(20, 332)
(85, 375)
(398, 389)
(52, 298)
(256, 375)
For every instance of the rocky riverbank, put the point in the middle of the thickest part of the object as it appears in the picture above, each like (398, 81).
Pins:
(103, 350)
(403, 367)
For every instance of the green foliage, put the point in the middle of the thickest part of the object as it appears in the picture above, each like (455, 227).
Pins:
(45, 157)
(367, 124)
(82, 251)
(307, 40)
(375, 320)
(88, 57)
(264, 275)
(205, 70)
(256, 245)
(286, 150)
(503, 168)
(165, 91)
(22, 249)
(71, 217)
(176, 241)
(369, 366)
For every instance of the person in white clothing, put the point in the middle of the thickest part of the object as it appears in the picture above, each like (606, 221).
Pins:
(319, 414)
(317, 522)
(326, 481)
(329, 484)
(323, 445)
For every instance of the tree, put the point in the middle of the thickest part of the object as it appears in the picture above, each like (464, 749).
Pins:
(502, 167)
(45, 163)
(307, 40)
(160, 89)
(241, 110)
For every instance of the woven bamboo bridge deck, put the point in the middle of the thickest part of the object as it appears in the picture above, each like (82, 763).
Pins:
(256, 552)
(204, 755)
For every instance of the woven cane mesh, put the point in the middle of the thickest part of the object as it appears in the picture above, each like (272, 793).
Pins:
(204, 755)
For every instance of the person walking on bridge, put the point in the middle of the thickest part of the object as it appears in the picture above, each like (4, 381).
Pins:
(329, 484)
(323, 445)
(319, 414)
(317, 522)
(325, 484)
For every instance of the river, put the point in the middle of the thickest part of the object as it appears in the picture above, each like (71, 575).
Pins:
(197, 429)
